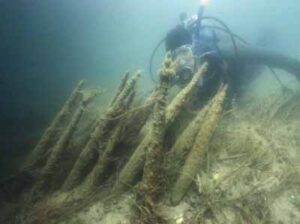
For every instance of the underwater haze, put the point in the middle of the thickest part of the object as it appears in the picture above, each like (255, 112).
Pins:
(47, 46)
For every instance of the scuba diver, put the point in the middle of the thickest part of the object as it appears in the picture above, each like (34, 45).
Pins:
(193, 41)
(189, 44)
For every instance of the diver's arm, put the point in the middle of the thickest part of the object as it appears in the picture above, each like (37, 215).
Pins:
(199, 22)
(197, 30)
(200, 14)
(195, 21)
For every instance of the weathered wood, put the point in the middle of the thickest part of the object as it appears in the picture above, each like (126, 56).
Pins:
(152, 182)
(99, 137)
(51, 134)
(121, 86)
(193, 161)
(54, 161)
(184, 144)
(97, 175)
(175, 107)
(136, 162)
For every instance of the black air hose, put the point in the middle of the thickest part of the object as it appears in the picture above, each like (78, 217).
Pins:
(152, 58)
(226, 28)
(237, 37)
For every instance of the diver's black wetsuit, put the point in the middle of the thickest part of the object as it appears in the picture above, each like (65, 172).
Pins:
(178, 37)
